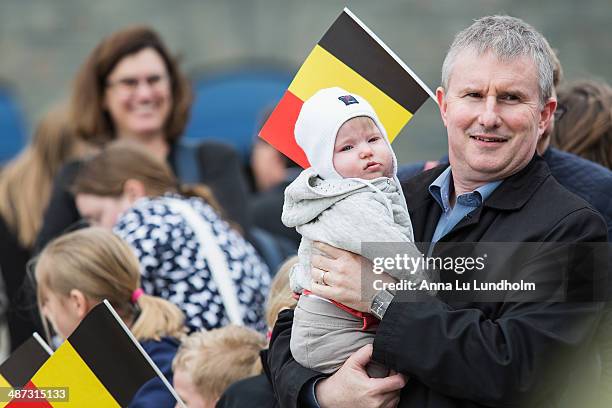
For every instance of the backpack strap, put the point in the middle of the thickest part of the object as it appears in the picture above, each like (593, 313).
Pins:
(217, 263)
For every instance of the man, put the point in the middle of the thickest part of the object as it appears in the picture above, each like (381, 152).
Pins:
(588, 180)
(495, 102)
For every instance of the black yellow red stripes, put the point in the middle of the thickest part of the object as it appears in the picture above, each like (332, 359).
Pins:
(323, 70)
(100, 354)
(278, 129)
(99, 363)
(351, 44)
(23, 363)
(351, 57)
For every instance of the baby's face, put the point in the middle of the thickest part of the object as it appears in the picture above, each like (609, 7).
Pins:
(361, 151)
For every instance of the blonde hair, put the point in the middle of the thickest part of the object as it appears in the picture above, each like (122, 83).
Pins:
(26, 181)
(105, 174)
(280, 296)
(215, 359)
(102, 266)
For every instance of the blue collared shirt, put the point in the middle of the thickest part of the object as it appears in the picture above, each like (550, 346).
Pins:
(440, 190)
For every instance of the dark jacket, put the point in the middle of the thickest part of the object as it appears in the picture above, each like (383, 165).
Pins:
(61, 215)
(584, 178)
(476, 354)
(266, 209)
(250, 392)
(13, 260)
(154, 393)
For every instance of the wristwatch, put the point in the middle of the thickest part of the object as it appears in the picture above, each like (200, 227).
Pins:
(380, 303)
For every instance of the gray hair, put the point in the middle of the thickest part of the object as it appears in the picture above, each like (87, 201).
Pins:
(509, 38)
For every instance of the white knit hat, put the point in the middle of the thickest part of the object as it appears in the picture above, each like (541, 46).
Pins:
(321, 117)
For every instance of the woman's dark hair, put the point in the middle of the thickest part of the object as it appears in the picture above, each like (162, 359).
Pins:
(91, 120)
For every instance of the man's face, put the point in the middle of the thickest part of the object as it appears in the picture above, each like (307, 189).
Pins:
(361, 151)
(493, 116)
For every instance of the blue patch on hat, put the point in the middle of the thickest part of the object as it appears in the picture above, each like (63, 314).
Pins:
(348, 99)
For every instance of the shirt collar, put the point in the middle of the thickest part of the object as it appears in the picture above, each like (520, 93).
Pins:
(440, 190)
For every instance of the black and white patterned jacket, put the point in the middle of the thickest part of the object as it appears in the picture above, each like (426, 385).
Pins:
(173, 268)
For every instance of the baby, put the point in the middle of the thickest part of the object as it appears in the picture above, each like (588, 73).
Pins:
(350, 195)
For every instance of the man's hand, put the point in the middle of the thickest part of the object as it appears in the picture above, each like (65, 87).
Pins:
(338, 276)
(351, 387)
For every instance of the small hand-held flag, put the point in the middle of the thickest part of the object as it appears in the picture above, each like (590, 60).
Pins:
(101, 364)
(352, 57)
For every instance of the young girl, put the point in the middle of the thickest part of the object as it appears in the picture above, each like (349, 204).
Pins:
(188, 254)
(77, 271)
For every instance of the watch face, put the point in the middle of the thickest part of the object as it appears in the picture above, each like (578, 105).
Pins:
(380, 303)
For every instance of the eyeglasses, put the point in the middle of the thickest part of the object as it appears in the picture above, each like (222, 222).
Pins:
(131, 84)
(561, 109)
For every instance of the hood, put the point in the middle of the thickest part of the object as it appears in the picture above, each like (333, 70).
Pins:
(318, 123)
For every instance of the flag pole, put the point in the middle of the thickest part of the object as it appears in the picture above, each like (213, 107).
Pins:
(42, 343)
(390, 52)
(144, 353)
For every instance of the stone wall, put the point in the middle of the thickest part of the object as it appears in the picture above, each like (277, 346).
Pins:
(42, 42)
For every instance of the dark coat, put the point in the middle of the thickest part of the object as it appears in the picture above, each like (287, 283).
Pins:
(20, 313)
(266, 210)
(250, 392)
(154, 393)
(584, 178)
(476, 354)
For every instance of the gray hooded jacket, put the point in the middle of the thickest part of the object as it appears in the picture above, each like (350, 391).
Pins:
(344, 213)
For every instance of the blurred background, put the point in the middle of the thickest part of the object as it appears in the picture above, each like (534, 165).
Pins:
(253, 48)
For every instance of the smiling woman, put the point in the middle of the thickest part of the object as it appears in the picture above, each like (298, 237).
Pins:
(131, 87)
(138, 95)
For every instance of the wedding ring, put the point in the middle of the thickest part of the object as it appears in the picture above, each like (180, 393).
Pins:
(323, 278)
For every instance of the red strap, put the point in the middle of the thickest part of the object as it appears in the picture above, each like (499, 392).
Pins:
(369, 320)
